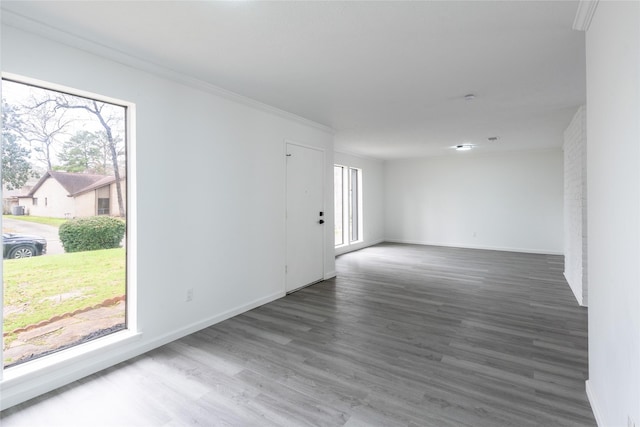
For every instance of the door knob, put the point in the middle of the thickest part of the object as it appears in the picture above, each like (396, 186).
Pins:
(321, 221)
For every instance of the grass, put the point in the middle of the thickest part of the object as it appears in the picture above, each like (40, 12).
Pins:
(55, 222)
(38, 288)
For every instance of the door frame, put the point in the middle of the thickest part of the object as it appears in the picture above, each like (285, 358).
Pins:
(324, 202)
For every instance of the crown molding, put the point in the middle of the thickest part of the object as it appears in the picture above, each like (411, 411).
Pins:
(358, 155)
(67, 38)
(584, 14)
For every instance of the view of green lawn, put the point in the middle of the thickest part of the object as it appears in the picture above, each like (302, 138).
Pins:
(38, 288)
(85, 178)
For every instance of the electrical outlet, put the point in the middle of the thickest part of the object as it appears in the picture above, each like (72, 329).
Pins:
(189, 295)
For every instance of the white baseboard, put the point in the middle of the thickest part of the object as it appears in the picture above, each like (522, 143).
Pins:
(195, 327)
(576, 294)
(483, 247)
(597, 414)
(330, 275)
(29, 381)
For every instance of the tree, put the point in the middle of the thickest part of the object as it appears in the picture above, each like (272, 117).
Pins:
(104, 146)
(83, 152)
(108, 115)
(42, 126)
(16, 168)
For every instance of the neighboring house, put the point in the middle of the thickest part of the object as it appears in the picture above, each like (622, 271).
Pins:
(70, 195)
(10, 197)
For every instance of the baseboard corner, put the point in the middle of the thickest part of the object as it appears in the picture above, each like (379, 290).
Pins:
(577, 295)
(330, 275)
(593, 402)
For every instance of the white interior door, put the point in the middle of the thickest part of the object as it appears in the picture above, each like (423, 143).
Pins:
(305, 216)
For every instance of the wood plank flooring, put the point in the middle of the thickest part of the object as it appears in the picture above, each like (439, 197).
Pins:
(405, 336)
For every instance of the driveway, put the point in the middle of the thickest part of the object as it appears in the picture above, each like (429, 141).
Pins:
(10, 225)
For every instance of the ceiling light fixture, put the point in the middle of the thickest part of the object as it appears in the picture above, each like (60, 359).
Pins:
(463, 147)
(492, 138)
(469, 97)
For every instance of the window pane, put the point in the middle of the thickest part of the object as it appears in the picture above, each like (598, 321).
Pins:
(103, 206)
(338, 205)
(64, 162)
(353, 198)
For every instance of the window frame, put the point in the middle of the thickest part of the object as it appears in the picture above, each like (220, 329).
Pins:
(94, 349)
(351, 206)
(338, 199)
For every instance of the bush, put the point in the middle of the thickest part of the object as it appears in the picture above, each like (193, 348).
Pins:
(91, 233)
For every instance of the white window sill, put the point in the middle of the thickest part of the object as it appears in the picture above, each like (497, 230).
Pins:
(346, 245)
(90, 352)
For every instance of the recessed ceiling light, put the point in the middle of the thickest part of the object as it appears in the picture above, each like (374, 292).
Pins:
(463, 147)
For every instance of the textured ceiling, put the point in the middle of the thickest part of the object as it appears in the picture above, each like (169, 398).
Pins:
(388, 77)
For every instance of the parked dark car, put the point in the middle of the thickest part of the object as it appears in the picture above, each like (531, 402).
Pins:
(22, 246)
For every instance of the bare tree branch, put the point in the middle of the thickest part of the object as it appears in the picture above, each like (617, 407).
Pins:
(42, 127)
(95, 108)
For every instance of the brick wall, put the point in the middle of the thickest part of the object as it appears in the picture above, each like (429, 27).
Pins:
(575, 205)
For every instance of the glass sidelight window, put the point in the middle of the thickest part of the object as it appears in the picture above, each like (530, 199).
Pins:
(347, 205)
(338, 203)
(354, 204)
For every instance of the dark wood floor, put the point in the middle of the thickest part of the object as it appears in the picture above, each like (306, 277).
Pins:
(405, 336)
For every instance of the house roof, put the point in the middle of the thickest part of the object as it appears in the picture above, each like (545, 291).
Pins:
(74, 183)
(105, 180)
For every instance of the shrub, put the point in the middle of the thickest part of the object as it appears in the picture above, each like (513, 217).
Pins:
(91, 233)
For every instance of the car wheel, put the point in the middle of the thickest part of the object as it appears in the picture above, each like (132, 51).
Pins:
(22, 252)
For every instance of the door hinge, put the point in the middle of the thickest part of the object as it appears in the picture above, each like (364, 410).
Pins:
(286, 269)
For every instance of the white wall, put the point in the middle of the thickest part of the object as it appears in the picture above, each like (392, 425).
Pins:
(372, 199)
(613, 156)
(504, 201)
(191, 145)
(575, 205)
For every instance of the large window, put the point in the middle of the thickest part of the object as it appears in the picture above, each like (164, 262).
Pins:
(338, 204)
(61, 287)
(347, 205)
